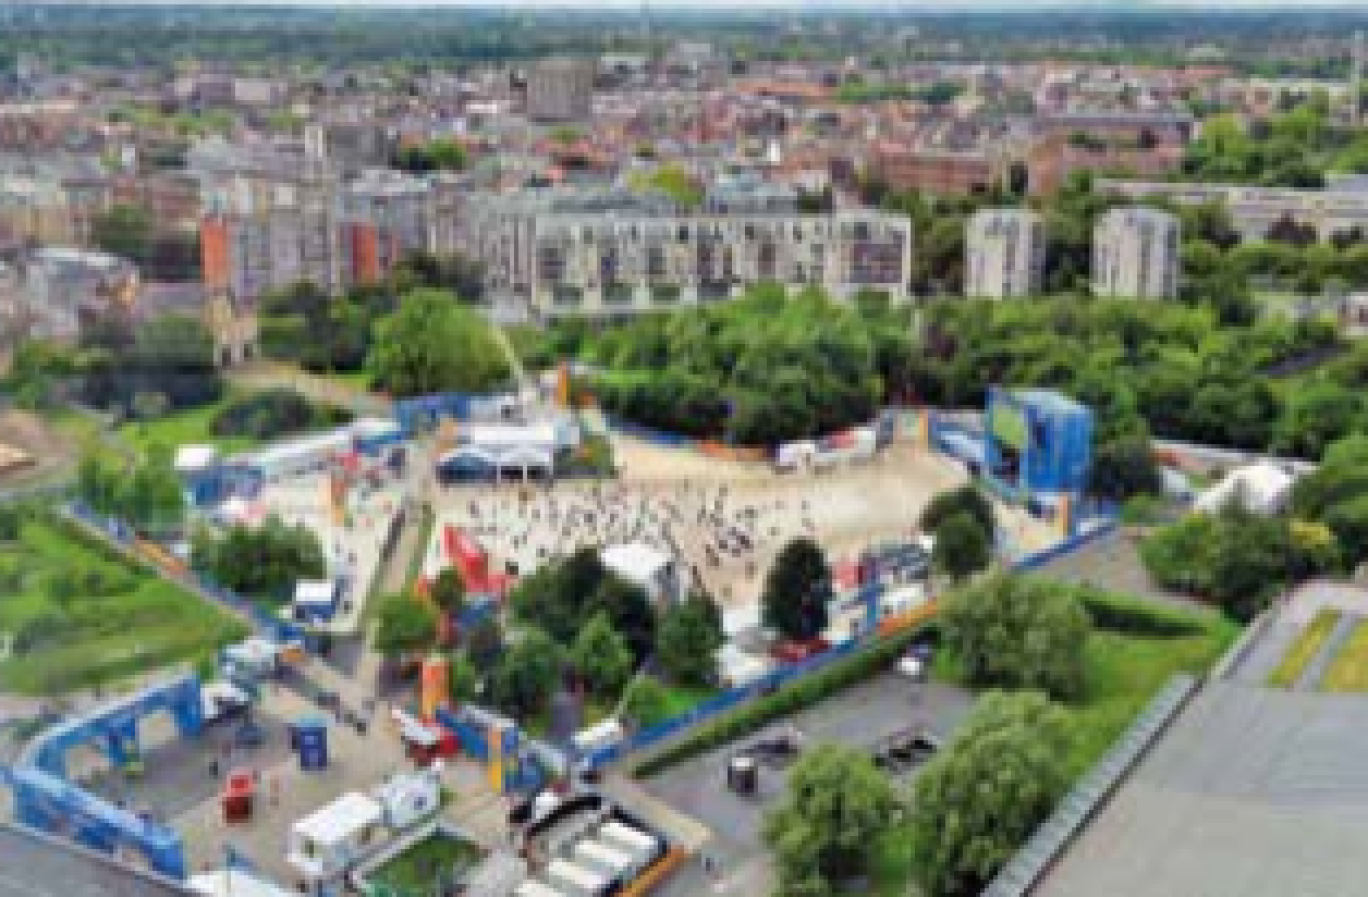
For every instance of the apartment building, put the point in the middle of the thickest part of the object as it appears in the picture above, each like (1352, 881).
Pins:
(1135, 254)
(613, 254)
(263, 234)
(1339, 208)
(1005, 254)
(561, 89)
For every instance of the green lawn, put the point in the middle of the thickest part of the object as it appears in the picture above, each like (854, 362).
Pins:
(680, 699)
(81, 615)
(1125, 670)
(187, 427)
(418, 869)
(1304, 649)
(1348, 672)
(195, 426)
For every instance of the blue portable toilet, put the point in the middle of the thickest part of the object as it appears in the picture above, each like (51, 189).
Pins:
(309, 738)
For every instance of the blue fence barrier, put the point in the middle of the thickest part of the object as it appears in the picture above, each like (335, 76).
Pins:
(718, 704)
(1067, 546)
(647, 434)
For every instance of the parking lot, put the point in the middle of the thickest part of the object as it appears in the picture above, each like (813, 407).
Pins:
(864, 716)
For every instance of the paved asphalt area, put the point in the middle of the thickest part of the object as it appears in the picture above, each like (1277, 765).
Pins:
(861, 716)
(1112, 562)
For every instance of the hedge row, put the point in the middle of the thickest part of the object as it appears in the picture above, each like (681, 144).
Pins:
(796, 695)
(1129, 617)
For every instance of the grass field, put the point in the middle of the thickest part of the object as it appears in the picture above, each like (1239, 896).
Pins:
(1125, 670)
(418, 869)
(183, 428)
(75, 614)
(1348, 671)
(1304, 649)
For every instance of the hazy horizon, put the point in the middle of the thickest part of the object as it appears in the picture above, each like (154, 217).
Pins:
(909, 7)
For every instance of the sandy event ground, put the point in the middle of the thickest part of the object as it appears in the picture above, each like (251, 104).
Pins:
(725, 520)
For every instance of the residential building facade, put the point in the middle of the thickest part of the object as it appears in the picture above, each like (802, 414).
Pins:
(1005, 254)
(614, 255)
(1135, 254)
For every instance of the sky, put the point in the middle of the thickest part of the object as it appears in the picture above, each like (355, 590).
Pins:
(736, 5)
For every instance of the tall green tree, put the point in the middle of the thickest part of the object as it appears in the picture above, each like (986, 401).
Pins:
(1123, 468)
(962, 547)
(406, 624)
(798, 589)
(835, 808)
(261, 562)
(434, 344)
(448, 591)
(527, 672)
(966, 499)
(978, 800)
(646, 702)
(1018, 632)
(687, 640)
(601, 655)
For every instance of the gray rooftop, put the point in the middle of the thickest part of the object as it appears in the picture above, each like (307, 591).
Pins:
(1251, 792)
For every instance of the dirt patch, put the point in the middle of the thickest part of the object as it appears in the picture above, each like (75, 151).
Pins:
(47, 450)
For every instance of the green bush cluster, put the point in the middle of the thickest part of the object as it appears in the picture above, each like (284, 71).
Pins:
(1115, 614)
(272, 413)
(762, 370)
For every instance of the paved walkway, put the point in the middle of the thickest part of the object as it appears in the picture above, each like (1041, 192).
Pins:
(324, 390)
(683, 830)
(514, 362)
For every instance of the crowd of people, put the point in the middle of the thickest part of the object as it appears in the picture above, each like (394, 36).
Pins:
(723, 535)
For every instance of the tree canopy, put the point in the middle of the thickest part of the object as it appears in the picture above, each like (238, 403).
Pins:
(1241, 560)
(835, 807)
(687, 640)
(406, 624)
(797, 590)
(962, 546)
(149, 496)
(527, 672)
(560, 597)
(434, 344)
(756, 371)
(259, 561)
(601, 655)
(966, 499)
(980, 798)
(1018, 632)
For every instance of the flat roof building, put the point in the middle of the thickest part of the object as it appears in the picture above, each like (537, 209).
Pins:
(1005, 254)
(1135, 254)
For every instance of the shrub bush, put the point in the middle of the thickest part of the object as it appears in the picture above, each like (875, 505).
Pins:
(269, 414)
(1116, 614)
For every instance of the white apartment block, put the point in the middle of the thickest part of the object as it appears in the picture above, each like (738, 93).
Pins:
(610, 265)
(1254, 210)
(1135, 254)
(615, 254)
(1005, 254)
